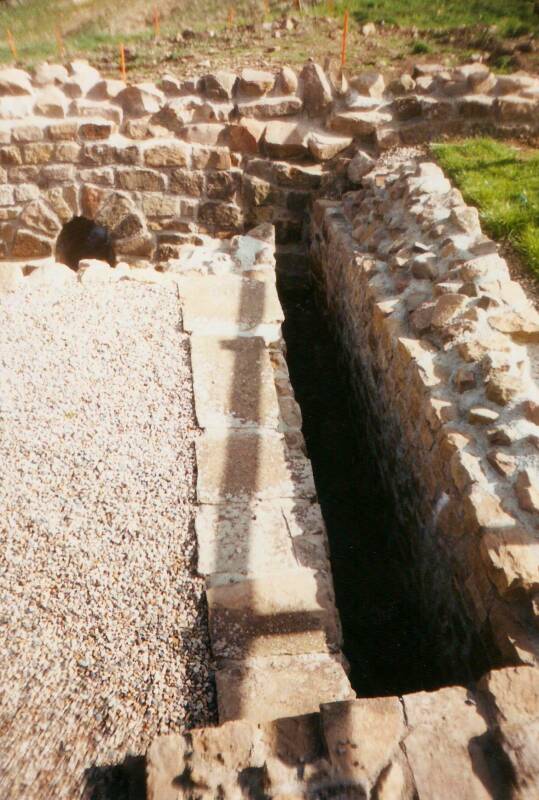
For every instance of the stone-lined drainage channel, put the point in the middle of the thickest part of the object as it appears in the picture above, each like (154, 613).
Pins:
(392, 644)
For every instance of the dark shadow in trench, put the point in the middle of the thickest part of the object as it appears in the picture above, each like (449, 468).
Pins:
(391, 643)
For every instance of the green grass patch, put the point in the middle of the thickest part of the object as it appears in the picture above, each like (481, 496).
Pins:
(511, 18)
(503, 182)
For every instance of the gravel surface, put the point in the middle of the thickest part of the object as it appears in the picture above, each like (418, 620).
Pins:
(103, 633)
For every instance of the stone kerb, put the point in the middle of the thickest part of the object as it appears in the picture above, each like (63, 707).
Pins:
(162, 163)
(262, 545)
(443, 346)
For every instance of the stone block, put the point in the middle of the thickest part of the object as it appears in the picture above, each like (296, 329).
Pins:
(239, 467)
(29, 245)
(511, 556)
(167, 155)
(443, 745)
(316, 89)
(282, 613)
(252, 539)
(14, 82)
(233, 383)
(280, 686)
(362, 737)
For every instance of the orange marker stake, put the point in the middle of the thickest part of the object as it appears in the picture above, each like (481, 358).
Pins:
(266, 7)
(11, 43)
(344, 37)
(122, 63)
(60, 43)
(156, 22)
(231, 15)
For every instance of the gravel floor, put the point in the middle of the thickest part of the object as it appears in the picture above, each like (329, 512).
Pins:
(103, 635)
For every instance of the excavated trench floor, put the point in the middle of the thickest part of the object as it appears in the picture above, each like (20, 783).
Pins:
(392, 645)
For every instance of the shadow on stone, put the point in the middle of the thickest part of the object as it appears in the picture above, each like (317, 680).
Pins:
(125, 781)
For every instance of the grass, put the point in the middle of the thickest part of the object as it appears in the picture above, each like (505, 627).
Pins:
(512, 17)
(503, 182)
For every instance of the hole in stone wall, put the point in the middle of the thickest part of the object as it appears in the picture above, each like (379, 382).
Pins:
(397, 637)
(82, 238)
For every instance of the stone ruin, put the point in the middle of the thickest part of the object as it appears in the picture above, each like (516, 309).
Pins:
(330, 182)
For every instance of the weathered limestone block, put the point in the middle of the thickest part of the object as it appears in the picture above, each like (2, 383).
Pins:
(186, 182)
(254, 539)
(262, 469)
(38, 153)
(204, 133)
(167, 154)
(358, 123)
(270, 107)
(217, 215)
(51, 102)
(139, 100)
(246, 135)
(511, 556)
(233, 383)
(219, 85)
(439, 754)
(286, 139)
(30, 245)
(369, 83)
(527, 490)
(315, 89)
(137, 180)
(38, 215)
(157, 204)
(280, 686)
(285, 613)
(106, 89)
(210, 157)
(15, 106)
(516, 109)
(286, 81)
(45, 74)
(229, 304)
(254, 82)
(96, 129)
(514, 695)
(362, 738)
(15, 82)
(81, 79)
(324, 146)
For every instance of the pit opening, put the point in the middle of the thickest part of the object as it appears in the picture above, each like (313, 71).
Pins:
(83, 238)
(398, 637)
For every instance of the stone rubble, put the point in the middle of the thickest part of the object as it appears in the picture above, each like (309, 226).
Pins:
(480, 742)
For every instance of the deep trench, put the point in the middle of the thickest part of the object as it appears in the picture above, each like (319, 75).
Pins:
(391, 642)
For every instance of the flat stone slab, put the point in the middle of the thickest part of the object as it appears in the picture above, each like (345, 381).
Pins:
(236, 540)
(230, 305)
(262, 689)
(285, 613)
(233, 383)
(362, 737)
(242, 466)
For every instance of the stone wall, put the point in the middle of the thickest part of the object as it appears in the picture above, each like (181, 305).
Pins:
(443, 348)
(160, 164)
